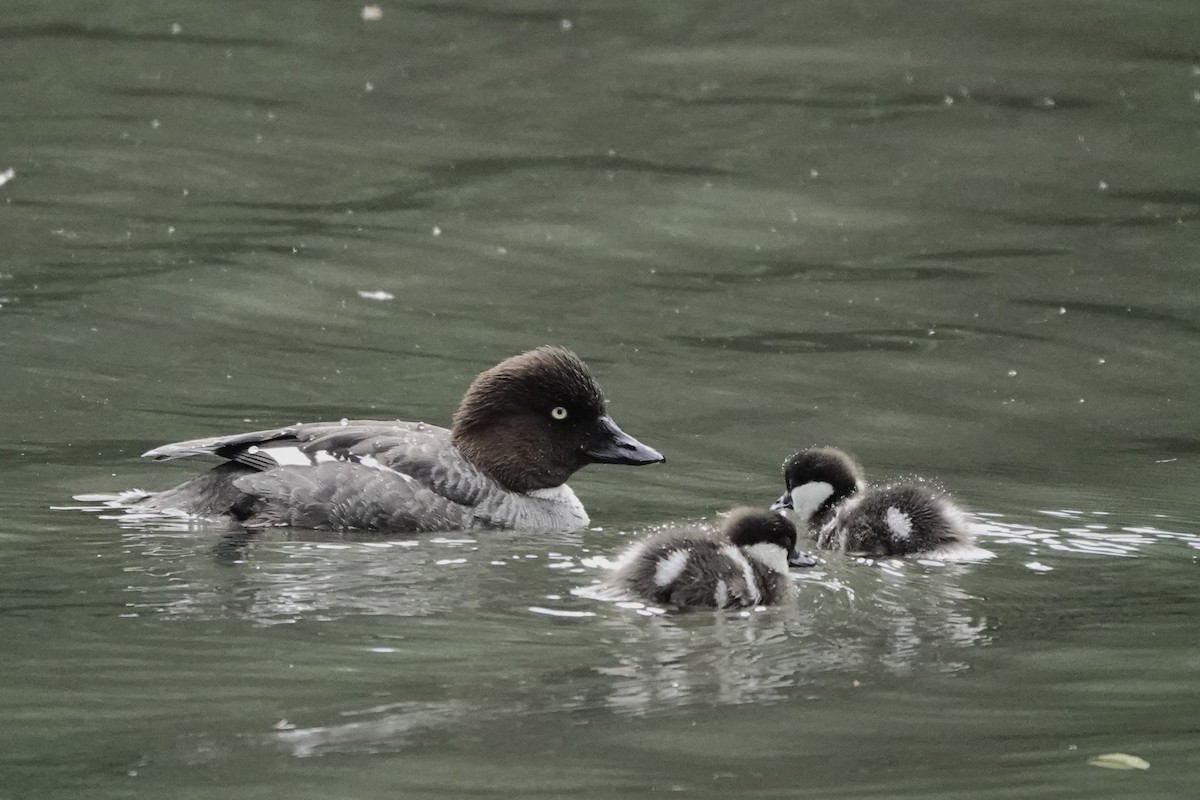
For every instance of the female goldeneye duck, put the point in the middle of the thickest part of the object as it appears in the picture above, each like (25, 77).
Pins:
(816, 481)
(523, 427)
(826, 492)
(744, 564)
(896, 521)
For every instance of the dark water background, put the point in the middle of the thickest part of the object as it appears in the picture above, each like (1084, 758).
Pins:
(957, 239)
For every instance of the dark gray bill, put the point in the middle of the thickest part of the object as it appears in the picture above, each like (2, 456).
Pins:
(611, 445)
(797, 559)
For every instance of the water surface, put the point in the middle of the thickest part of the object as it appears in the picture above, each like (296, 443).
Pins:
(959, 242)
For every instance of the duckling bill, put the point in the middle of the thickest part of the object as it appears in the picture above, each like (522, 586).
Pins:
(521, 430)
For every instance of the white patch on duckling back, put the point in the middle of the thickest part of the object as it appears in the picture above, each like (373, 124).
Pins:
(670, 567)
(899, 524)
(771, 556)
(735, 555)
(807, 498)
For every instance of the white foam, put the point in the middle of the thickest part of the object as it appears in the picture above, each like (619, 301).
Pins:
(560, 612)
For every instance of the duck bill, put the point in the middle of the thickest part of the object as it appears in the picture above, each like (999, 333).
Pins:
(611, 445)
(797, 559)
(784, 503)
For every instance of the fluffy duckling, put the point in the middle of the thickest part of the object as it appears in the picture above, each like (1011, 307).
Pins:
(825, 491)
(744, 564)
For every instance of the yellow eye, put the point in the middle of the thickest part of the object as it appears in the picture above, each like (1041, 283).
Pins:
(558, 412)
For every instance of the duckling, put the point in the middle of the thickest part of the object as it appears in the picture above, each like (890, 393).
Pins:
(896, 521)
(826, 491)
(744, 564)
(816, 481)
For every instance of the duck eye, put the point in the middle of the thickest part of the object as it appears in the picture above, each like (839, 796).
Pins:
(558, 412)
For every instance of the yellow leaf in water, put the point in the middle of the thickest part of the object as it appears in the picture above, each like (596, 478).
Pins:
(1119, 761)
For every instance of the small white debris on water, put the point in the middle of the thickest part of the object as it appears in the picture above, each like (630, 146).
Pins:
(372, 13)
(566, 24)
(7, 175)
(1012, 373)
(437, 231)
(368, 87)
(1103, 185)
(384, 650)
(441, 562)
(1037, 566)
(1062, 310)
(375, 294)
(176, 29)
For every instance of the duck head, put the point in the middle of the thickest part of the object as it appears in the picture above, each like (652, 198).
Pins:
(534, 419)
(816, 480)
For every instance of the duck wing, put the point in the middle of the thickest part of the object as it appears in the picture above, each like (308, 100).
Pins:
(366, 474)
(347, 495)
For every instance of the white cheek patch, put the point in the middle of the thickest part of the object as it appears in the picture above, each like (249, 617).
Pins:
(735, 555)
(288, 456)
(899, 523)
(807, 498)
(771, 556)
(670, 567)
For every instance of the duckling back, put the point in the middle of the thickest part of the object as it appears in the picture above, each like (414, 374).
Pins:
(896, 521)
(693, 567)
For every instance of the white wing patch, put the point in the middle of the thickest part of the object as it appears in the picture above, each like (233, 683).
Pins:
(374, 463)
(899, 523)
(295, 457)
(287, 456)
(670, 567)
(735, 556)
(807, 498)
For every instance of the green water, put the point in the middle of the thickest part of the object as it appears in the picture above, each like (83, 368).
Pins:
(958, 240)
